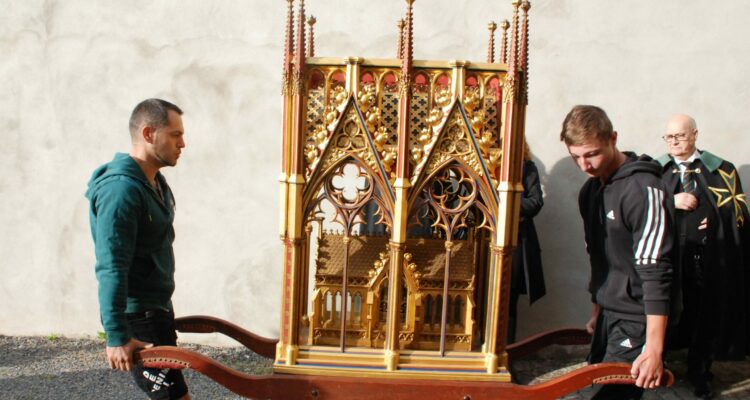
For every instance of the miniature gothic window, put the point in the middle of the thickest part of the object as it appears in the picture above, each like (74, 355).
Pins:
(383, 307)
(404, 296)
(449, 316)
(457, 311)
(328, 312)
(337, 307)
(428, 310)
(357, 308)
(438, 309)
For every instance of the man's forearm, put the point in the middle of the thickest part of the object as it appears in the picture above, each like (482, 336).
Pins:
(656, 328)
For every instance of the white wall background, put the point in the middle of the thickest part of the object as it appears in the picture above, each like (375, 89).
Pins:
(71, 71)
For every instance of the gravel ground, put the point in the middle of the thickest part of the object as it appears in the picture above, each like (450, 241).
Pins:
(63, 368)
(37, 368)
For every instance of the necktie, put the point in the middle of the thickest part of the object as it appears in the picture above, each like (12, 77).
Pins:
(688, 178)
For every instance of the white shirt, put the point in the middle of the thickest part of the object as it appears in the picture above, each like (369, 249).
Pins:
(682, 164)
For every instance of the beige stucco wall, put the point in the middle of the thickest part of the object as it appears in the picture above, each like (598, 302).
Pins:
(71, 71)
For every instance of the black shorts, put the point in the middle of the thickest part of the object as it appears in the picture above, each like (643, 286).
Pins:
(616, 339)
(157, 327)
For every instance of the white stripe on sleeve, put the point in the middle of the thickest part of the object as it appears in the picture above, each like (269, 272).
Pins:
(647, 228)
(649, 245)
(660, 232)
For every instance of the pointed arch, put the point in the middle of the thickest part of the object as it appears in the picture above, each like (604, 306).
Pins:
(456, 142)
(350, 138)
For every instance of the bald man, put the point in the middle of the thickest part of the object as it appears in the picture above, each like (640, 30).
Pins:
(711, 219)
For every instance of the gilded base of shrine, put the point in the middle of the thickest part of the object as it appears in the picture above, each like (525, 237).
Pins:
(413, 364)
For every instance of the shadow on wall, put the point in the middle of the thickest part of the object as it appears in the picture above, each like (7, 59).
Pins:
(744, 171)
(566, 266)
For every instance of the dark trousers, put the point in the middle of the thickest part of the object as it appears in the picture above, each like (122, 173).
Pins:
(512, 313)
(517, 288)
(695, 327)
(158, 328)
(617, 340)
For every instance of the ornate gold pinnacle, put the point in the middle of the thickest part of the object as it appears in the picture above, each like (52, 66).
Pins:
(311, 44)
(290, 27)
(300, 53)
(504, 45)
(400, 49)
(288, 50)
(523, 62)
(492, 26)
(513, 54)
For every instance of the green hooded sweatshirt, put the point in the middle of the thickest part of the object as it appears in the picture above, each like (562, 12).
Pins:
(133, 235)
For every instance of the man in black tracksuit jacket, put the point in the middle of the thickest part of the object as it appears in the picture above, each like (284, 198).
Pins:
(629, 239)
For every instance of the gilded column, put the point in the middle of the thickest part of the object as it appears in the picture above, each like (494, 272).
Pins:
(295, 233)
(352, 75)
(458, 72)
(401, 186)
(509, 192)
(303, 290)
(286, 93)
(344, 291)
(446, 283)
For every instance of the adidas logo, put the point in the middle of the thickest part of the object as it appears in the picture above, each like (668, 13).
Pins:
(611, 215)
(626, 343)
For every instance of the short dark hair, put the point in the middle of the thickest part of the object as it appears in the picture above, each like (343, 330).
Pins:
(154, 112)
(584, 123)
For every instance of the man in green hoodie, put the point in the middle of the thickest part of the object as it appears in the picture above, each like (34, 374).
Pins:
(131, 215)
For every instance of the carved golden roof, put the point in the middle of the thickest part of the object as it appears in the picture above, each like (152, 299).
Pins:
(363, 252)
(429, 255)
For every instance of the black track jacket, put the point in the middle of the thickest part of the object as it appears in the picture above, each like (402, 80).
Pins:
(629, 238)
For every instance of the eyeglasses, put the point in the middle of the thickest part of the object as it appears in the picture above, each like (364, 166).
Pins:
(677, 136)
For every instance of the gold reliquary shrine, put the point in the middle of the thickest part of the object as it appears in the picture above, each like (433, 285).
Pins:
(400, 185)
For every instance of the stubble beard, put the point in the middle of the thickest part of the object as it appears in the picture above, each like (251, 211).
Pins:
(164, 161)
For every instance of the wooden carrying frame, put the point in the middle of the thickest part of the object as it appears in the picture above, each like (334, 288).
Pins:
(400, 192)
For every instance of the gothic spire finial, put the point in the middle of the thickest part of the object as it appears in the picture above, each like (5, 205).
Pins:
(300, 53)
(504, 43)
(524, 52)
(491, 46)
(408, 55)
(289, 36)
(311, 44)
(288, 48)
(513, 55)
(400, 50)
